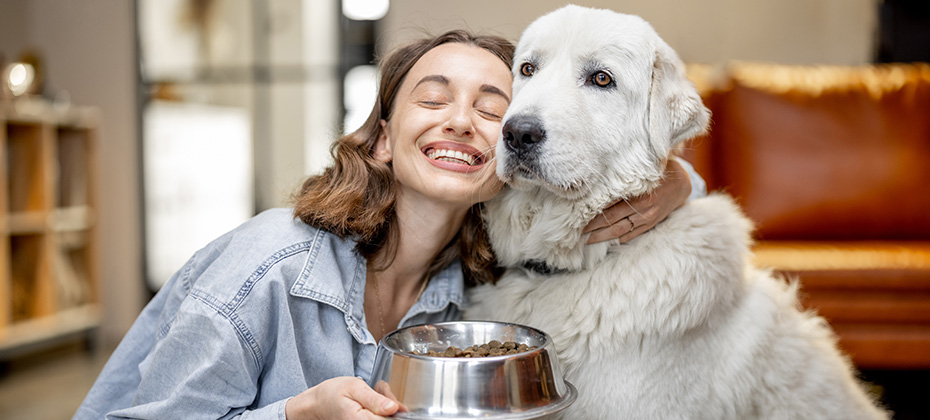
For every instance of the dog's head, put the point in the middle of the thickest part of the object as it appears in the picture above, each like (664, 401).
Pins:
(599, 102)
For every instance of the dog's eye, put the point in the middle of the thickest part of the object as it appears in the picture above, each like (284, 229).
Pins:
(527, 69)
(601, 79)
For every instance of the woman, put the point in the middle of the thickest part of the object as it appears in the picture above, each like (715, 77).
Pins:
(280, 317)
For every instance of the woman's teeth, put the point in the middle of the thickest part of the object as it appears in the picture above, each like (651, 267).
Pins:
(451, 156)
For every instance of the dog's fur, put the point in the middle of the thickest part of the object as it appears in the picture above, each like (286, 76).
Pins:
(675, 324)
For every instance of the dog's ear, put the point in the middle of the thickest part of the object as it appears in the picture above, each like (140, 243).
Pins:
(676, 111)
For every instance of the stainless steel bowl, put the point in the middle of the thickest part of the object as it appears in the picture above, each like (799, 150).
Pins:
(526, 385)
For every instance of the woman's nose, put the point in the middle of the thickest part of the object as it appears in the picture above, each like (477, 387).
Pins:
(460, 122)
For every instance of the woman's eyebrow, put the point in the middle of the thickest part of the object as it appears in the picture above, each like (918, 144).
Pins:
(494, 90)
(438, 78)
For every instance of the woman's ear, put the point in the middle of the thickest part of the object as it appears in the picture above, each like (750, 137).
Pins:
(383, 150)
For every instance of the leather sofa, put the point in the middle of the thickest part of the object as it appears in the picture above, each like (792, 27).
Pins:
(833, 166)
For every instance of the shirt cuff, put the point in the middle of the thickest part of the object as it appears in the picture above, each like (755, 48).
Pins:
(274, 411)
(698, 186)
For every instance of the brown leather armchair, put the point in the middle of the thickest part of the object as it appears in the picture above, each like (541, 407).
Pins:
(833, 165)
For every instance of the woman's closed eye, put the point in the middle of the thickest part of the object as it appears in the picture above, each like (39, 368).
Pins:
(432, 103)
(492, 115)
(491, 107)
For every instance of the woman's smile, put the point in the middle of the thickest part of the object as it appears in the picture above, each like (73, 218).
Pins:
(441, 134)
(454, 156)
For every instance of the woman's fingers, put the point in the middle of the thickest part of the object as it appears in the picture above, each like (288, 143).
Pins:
(611, 215)
(384, 388)
(372, 400)
(644, 213)
(625, 230)
(340, 398)
(615, 230)
(630, 218)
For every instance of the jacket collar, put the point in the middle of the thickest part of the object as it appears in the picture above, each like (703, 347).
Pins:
(334, 274)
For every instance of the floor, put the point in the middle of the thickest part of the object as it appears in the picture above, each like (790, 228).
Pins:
(51, 385)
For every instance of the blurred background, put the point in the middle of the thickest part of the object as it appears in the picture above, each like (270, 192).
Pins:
(134, 132)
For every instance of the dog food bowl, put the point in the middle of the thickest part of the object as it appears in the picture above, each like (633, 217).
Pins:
(525, 385)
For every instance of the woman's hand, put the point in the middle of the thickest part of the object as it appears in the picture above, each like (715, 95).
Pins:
(628, 219)
(342, 398)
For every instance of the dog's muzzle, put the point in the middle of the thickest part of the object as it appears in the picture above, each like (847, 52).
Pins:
(522, 133)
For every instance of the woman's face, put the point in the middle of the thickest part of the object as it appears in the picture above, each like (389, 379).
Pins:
(445, 123)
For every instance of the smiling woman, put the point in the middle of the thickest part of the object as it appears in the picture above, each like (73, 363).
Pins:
(356, 196)
(449, 105)
(386, 237)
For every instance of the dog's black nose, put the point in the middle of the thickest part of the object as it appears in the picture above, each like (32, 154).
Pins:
(522, 133)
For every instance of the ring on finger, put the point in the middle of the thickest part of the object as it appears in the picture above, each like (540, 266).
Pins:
(632, 225)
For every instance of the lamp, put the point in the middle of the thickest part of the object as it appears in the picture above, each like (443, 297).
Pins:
(17, 78)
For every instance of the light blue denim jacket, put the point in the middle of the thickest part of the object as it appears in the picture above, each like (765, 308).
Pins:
(259, 315)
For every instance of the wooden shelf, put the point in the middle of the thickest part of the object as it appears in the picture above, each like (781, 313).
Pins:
(48, 248)
(66, 324)
(26, 222)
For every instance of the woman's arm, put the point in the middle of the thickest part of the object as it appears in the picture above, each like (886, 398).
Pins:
(628, 219)
(200, 368)
(203, 368)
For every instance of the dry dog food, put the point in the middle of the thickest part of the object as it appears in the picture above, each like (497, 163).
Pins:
(492, 348)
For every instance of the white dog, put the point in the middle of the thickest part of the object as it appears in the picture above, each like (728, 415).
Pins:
(675, 324)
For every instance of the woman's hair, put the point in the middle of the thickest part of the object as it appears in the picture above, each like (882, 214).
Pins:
(355, 196)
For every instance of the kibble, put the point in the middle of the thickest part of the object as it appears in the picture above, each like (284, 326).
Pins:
(491, 348)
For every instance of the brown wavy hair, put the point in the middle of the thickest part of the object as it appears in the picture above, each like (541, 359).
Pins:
(355, 196)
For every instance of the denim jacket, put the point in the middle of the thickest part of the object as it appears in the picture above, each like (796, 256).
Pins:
(259, 315)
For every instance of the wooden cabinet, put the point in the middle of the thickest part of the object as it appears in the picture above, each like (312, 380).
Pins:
(48, 243)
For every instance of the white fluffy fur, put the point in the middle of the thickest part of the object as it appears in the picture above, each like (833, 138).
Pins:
(675, 324)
